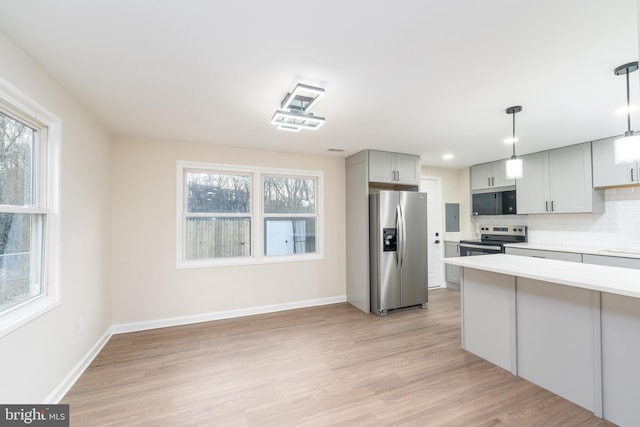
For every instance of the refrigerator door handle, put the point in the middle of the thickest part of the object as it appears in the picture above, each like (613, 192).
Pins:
(399, 235)
(402, 232)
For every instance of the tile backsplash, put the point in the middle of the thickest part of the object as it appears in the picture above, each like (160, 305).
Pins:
(617, 227)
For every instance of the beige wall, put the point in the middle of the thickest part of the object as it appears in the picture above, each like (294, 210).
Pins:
(455, 189)
(36, 358)
(146, 284)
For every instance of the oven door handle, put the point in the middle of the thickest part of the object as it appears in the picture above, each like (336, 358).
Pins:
(472, 246)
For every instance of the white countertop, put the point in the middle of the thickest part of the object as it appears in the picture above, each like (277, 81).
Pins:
(615, 280)
(615, 252)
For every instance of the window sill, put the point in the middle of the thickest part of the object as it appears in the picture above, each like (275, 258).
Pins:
(232, 262)
(25, 313)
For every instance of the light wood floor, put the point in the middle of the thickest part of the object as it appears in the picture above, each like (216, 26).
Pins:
(330, 365)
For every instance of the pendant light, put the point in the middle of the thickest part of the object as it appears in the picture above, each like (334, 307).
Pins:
(627, 148)
(514, 164)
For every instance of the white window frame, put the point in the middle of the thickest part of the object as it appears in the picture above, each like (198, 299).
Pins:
(47, 167)
(257, 215)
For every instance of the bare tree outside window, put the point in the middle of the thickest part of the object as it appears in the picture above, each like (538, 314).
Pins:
(289, 195)
(17, 143)
(218, 224)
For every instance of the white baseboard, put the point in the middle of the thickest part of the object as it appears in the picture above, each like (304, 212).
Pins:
(58, 393)
(228, 314)
(66, 384)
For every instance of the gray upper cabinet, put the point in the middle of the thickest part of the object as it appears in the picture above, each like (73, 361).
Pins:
(608, 173)
(558, 181)
(394, 168)
(489, 175)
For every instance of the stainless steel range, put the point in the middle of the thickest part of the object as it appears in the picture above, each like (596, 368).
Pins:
(492, 239)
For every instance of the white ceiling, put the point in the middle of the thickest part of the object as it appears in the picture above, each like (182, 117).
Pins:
(425, 77)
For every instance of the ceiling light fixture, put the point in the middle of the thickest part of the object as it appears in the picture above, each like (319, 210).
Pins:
(514, 164)
(294, 109)
(627, 148)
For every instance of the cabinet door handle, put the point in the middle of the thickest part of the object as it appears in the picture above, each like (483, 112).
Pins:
(397, 175)
(546, 206)
(489, 181)
(493, 182)
(632, 175)
(552, 207)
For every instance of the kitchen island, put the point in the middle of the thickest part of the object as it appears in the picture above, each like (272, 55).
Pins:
(571, 328)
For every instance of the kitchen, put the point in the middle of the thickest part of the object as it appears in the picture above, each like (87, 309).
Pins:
(125, 127)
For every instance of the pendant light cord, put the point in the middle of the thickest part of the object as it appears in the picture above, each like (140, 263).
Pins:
(628, 104)
(513, 156)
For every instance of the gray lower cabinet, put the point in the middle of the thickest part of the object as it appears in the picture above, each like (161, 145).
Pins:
(556, 341)
(537, 253)
(580, 344)
(488, 317)
(620, 356)
(611, 261)
(452, 272)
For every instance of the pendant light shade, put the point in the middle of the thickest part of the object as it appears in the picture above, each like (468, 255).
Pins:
(627, 148)
(514, 167)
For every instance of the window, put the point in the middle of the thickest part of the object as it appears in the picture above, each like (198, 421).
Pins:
(28, 200)
(230, 215)
(218, 215)
(289, 215)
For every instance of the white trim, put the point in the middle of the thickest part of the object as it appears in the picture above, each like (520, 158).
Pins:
(219, 315)
(65, 385)
(438, 214)
(49, 188)
(63, 388)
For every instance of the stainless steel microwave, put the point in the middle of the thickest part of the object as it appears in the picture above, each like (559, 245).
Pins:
(494, 203)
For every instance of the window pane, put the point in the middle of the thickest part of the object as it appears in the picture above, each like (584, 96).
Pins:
(214, 192)
(20, 258)
(16, 157)
(289, 195)
(287, 236)
(218, 238)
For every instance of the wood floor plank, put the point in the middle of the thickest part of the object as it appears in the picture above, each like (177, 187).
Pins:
(319, 366)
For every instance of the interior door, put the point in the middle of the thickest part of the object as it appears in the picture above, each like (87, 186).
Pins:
(431, 186)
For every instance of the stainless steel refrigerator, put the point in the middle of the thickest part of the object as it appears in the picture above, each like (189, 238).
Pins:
(398, 250)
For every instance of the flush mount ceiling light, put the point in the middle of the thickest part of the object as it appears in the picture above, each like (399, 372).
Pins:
(294, 109)
(627, 148)
(514, 164)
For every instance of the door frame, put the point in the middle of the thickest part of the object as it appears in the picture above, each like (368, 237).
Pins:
(437, 223)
